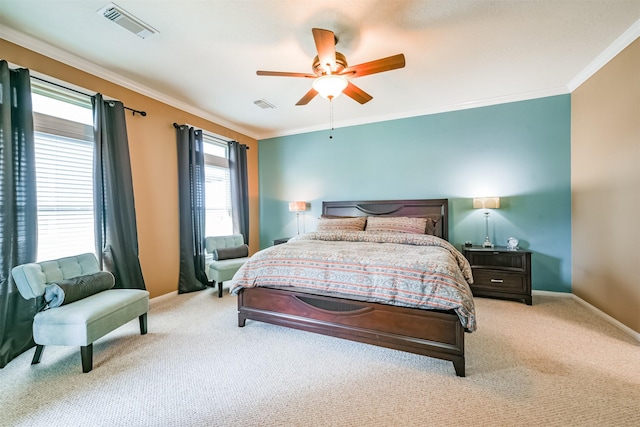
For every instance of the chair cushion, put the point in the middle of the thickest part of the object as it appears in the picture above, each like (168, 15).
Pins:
(88, 319)
(223, 270)
(31, 279)
(216, 242)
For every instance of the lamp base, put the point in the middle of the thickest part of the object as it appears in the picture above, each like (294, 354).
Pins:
(487, 243)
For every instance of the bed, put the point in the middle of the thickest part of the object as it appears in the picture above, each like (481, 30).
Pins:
(295, 299)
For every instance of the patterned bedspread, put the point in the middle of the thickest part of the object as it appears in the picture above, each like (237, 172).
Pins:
(410, 270)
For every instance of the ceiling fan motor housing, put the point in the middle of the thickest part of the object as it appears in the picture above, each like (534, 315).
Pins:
(320, 70)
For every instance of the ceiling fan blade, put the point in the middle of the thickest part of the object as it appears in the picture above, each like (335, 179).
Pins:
(377, 66)
(307, 97)
(326, 46)
(354, 92)
(285, 74)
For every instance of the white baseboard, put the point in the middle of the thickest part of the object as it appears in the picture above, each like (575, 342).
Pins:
(595, 310)
(164, 296)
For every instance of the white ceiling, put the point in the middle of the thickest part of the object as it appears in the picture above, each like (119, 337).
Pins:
(459, 53)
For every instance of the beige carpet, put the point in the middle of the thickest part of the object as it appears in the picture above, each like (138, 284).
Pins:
(552, 364)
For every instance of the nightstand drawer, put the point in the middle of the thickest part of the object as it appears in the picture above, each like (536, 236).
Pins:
(498, 281)
(513, 261)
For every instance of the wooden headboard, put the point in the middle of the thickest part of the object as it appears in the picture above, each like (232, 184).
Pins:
(411, 208)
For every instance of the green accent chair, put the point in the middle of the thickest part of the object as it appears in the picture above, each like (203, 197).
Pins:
(81, 322)
(219, 271)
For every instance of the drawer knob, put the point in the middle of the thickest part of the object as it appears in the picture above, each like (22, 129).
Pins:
(497, 281)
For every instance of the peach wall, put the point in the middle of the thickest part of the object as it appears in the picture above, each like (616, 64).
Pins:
(605, 183)
(152, 147)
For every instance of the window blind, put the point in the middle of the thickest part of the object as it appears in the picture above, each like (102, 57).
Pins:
(65, 195)
(218, 220)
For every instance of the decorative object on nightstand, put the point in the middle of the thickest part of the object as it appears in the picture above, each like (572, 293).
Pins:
(486, 203)
(512, 243)
(500, 272)
(281, 241)
(297, 207)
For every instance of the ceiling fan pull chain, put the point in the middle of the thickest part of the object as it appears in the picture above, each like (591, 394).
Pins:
(331, 118)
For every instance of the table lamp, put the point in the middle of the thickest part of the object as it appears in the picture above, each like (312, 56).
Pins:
(297, 207)
(486, 203)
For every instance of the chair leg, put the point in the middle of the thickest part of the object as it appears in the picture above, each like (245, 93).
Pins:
(219, 289)
(143, 323)
(86, 353)
(38, 354)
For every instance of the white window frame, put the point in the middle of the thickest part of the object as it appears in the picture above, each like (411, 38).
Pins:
(64, 177)
(219, 219)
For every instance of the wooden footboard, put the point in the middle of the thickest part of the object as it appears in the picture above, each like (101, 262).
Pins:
(431, 333)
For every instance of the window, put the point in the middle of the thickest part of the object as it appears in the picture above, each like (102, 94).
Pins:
(63, 124)
(218, 220)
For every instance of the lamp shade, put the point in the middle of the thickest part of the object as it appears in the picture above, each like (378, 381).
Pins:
(297, 206)
(486, 203)
(330, 86)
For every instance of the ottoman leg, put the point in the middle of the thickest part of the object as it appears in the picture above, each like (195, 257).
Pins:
(143, 323)
(38, 354)
(86, 353)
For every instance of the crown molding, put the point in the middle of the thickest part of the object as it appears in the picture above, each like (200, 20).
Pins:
(607, 55)
(81, 64)
(43, 48)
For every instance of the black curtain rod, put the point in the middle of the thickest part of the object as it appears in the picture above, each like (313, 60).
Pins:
(142, 113)
(175, 125)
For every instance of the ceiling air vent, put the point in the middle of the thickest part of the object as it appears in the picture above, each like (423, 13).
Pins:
(116, 14)
(264, 104)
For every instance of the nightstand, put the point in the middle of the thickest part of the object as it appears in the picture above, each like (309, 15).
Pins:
(500, 272)
(281, 240)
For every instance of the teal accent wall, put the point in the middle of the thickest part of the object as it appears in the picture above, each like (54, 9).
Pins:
(519, 151)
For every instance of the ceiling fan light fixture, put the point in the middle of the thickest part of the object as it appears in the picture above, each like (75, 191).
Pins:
(330, 86)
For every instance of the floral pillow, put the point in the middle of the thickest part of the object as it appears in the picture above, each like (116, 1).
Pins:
(397, 224)
(342, 224)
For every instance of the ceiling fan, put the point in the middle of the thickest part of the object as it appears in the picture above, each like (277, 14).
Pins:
(332, 74)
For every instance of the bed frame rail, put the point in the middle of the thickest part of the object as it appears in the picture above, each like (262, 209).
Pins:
(430, 333)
